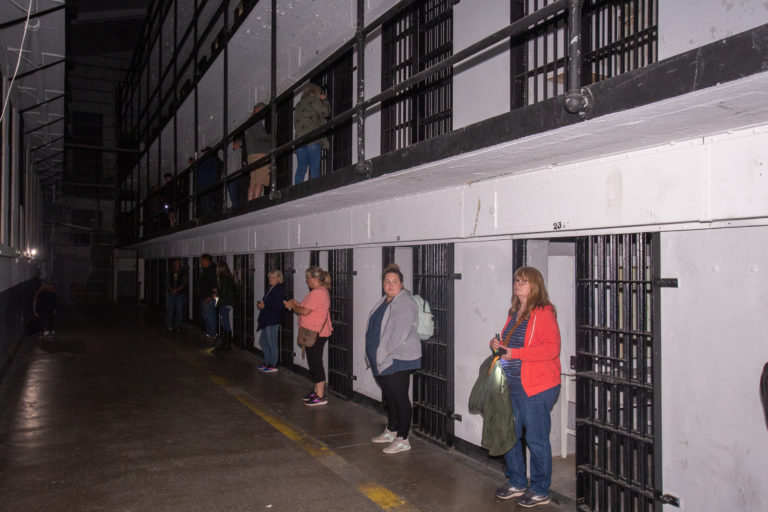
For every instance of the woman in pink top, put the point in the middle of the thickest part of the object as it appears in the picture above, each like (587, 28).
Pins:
(314, 314)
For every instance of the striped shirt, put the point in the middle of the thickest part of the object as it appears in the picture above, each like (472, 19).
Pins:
(517, 340)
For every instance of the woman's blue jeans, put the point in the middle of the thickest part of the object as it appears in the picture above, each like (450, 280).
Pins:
(224, 318)
(268, 340)
(208, 312)
(308, 156)
(532, 422)
(174, 309)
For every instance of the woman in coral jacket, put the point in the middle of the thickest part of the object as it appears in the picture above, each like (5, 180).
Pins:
(531, 363)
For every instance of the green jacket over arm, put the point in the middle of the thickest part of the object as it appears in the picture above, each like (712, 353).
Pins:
(490, 397)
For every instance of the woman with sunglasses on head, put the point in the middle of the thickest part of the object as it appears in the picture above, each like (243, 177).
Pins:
(314, 314)
(531, 362)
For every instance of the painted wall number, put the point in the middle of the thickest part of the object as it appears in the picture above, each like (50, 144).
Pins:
(557, 225)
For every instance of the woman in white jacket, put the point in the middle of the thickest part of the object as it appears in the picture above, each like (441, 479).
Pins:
(393, 350)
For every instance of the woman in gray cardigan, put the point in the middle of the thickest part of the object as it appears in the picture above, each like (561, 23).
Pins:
(393, 351)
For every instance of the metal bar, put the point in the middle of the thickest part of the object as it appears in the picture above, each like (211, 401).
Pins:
(49, 123)
(360, 41)
(37, 14)
(46, 144)
(37, 105)
(273, 193)
(48, 157)
(655, 242)
(515, 28)
(100, 148)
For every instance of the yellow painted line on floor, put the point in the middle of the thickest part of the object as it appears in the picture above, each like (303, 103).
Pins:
(378, 494)
(382, 496)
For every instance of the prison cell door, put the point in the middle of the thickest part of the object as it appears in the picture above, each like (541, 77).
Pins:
(340, 343)
(243, 311)
(147, 281)
(162, 271)
(195, 271)
(283, 261)
(618, 449)
(433, 383)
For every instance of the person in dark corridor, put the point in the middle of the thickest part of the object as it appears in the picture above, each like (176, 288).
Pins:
(314, 314)
(309, 114)
(206, 285)
(44, 308)
(176, 282)
(225, 299)
(393, 349)
(257, 143)
(270, 315)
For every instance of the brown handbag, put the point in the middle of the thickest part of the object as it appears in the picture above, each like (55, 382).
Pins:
(307, 338)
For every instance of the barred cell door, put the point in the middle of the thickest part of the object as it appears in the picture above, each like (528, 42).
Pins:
(147, 281)
(283, 261)
(433, 383)
(340, 342)
(162, 272)
(242, 313)
(197, 317)
(618, 402)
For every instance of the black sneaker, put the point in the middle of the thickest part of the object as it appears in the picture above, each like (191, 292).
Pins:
(507, 492)
(529, 500)
(317, 400)
(309, 396)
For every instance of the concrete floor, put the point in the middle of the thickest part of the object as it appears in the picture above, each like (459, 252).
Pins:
(112, 414)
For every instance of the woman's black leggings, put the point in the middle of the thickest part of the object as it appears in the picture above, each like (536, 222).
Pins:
(315, 360)
(394, 387)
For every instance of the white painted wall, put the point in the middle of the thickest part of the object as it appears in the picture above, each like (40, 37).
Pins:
(366, 292)
(248, 67)
(715, 440)
(185, 132)
(210, 104)
(372, 88)
(561, 267)
(684, 26)
(482, 298)
(688, 184)
(14, 272)
(472, 21)
(307, 33)
(300, 290)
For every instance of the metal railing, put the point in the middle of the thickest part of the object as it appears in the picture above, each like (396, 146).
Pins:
(187, 209)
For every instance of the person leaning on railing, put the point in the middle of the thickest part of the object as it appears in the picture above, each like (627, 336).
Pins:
(309, 114)
(257, 143)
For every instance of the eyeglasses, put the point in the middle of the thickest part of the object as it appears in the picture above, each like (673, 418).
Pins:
(521, 281)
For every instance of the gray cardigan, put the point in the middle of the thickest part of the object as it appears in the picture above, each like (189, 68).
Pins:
(398, 338)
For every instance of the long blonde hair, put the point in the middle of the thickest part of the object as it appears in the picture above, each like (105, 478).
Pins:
(537, 298)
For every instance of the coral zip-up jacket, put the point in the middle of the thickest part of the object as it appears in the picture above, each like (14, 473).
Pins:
(540, 368)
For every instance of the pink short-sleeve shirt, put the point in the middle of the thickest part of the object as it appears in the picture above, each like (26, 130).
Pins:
(319, 301)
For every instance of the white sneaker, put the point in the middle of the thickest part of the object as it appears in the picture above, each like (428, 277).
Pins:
(385, 437)
(397, 446)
